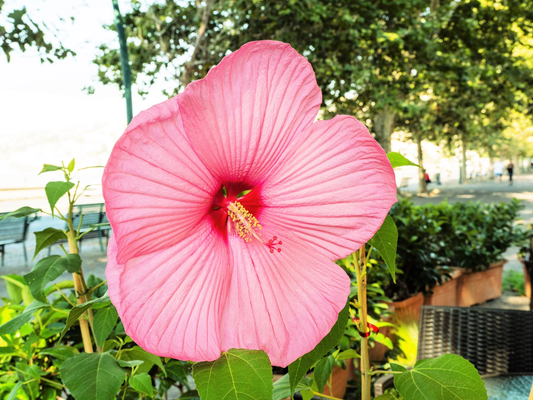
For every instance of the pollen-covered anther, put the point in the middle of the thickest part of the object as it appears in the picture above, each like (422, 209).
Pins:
(246, 225)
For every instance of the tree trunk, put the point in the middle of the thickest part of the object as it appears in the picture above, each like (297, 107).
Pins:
(189, 66)
(383, 127)
(463, 160)
(491, 168)
(422, 187)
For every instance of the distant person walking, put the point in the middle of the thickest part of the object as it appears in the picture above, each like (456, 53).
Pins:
(510, 168)
(426, 177)
(498, 170)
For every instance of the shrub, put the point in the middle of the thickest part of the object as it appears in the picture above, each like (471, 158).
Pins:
(432, 238)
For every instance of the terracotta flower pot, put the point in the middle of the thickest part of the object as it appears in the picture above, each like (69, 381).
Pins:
(479, 287)
(408, 310)
(445, 294)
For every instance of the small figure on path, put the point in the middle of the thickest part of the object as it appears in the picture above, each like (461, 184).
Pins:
(510, 168)
(437, 176)
(498, 170)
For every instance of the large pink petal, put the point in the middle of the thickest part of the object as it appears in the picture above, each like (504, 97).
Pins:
(244, 113)
(283, 303)
(332, 187)
(171, 301)
(155, 187)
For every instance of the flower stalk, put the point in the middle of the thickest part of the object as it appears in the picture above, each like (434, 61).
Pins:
(80, 287)
(360, 271)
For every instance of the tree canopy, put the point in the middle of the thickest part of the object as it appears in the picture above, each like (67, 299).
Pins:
(22, 32)
(440, 70)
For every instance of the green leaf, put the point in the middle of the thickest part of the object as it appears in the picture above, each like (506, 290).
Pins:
(14, 391)
(8, 351)
(14, 285)
(104, 322)
(190, 395)
(129, 364)
(397, 367)
(16, 323)
(60, 352)
(345, 355)
(448, 377)
(282, 388)
(49, 168)
(387, 396)
(71, 165)
(78, 310)
(47, 238)
(299, 368)
(397, 160)
(74, 262)
(236, 375)
(44, 272)
(20, 213)
(142, 383)
(323, 370)
(56, 190)
(386, 241)
(137, 353)
(92, 376)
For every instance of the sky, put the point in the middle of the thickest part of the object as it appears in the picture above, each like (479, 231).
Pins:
(45, 115)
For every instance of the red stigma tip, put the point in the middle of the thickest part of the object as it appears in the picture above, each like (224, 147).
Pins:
(280, 242)
(279, 250)
(272, 250)
(270, 241)
(275, 238)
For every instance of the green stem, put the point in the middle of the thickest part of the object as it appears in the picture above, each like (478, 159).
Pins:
(360, 271)
(385, 372)
(322, 395)
(96, 287)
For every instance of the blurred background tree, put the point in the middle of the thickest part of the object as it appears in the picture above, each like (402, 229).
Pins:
(22, 32)
(444, 71)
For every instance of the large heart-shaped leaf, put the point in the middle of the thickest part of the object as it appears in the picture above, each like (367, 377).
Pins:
(236, 375)
(92, 376)
(448, 377)
(56, 190)
(299, 368)
(385, 241)
(44, 272)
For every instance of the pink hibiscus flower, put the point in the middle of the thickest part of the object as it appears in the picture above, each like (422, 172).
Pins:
(229, 206)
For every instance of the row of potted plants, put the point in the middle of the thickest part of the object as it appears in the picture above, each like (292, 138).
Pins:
(450, 254)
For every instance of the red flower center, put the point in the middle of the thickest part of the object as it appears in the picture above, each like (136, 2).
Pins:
(236, 208)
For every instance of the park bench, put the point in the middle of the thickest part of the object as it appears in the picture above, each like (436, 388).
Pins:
(93, 214)
(14, 230)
